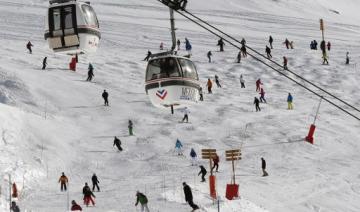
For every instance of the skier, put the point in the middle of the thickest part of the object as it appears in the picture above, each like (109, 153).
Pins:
(287, 43)
(285, 62)
(262, 95)
(189, 197)
(148, 56)
(209, 85)
(238, 57)
(188, 46)
(178, 147)
(209, 54)
(75, 206)
(242, 81)
(44, 63)
(178, 44)
(86, 187)
(347, 62)
(193, 156)
(14, 207)
(268, 52)
(325, 58)
(271, 40)
(243, 50)
(14, 191)
(130, 126)
(221, 44)
(88, 197)
(203, 173)
(90, 72)
(256, 103)
(186, 112)
(258, 84)
(328, 45)
(95, 182)
(28, 46)
(63, 180)
(105, 96)
(263, 166)
(161, 46)
(140, 197)
(216, 161)
(217, 81)
(323, 46)
(312, 45)
(117, 142)
(289, 101)
(201, 94)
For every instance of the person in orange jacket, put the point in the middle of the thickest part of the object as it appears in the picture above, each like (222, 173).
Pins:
(209, 85)
(63, 180)
(14, 191)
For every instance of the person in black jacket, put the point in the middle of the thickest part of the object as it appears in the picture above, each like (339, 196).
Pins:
(221, 44)
(268, 52)
(256, 103)
(14, 207)
(105, 96)
(147, 56)
(90, 72)
(44, 63)
(263, 166)
(117, 142)
(203, 173)
(189, 197)
(271, 40)
(95, 182)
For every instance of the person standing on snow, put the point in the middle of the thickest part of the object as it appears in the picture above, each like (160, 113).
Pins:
(189, 197)
(287, 43)
(178, 147)
(130, 126)
(347, 62)
(148, 56)
(209, 85)
(238, 57)
(217, 81)
(203, 172)
(90, 72)
(95, 182)
(271, 40)
(258, 84)
(289, 101)
(105, 96)
(243, 50)
(221, 44)
(193, 156)
(216, 161)
(268, 52)
(140, 197)
(88, 197)
(209, 54)
(86, 186)
(75, 206)
(328, 45)
(242, 81)
(178, 44)
(117, 142)
(28, 46)
(262, 95)
(188, 46)
(63, 180)
(257, 103)
(44, 63)
(14, 207)
(201, 94)
(263, 167)
(186, 112)
(285, 62)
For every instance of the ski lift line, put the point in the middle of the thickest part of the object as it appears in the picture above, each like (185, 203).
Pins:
(323, 90)
(259, 60)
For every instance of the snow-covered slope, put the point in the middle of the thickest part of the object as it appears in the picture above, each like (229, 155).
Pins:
(53, 121)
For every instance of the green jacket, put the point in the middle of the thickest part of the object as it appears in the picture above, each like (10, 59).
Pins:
(141, 198)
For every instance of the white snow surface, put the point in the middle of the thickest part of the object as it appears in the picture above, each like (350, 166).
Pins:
(53, 121)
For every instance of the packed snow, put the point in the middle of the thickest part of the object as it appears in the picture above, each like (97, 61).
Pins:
(53, 121)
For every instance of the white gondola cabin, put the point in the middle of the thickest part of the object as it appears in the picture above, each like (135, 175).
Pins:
(72, 27)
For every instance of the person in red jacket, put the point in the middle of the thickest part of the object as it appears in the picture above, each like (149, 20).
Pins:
(258, 84)
(75, 206)
(216, 162)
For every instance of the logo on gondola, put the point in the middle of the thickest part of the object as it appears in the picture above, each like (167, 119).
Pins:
(161, 94)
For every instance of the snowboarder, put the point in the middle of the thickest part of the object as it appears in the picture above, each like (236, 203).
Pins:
(221, 44)
(256, 103)
(117, 142)
(14, 207)
(178, 44)
(258, 85)
(130, 126)
(209, 54)
(140, 197)
(263, 166)
(242, 81)
(178, 147)
(28, 46)
(44, 63)
(203, 173)
(271, 40)
(63, 180)
(189, 197)
(268, 52)
(289, 101)
(285, 62)
(90, 72)
(201, 94)
(193, 156)
(105, 96)
(95, 182)
(347, 62)
(287, 43)
(75, 206)
(161, 46)
(148, 56)
(186, 112)
(238, 57)
(88, 197)
(216, 161)
(188, 46)
(209, 85)
(328, 45)
(262, 95)
(217, 81)
(325, 58)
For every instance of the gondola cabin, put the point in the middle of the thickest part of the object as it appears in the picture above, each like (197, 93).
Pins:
(172, 81)
(72, 27)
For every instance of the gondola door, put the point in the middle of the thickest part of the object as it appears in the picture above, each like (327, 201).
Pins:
(63, 27)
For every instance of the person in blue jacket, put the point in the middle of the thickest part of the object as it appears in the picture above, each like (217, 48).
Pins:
(188, 46)
(193, 156)
(178, 147)
(289, 101)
